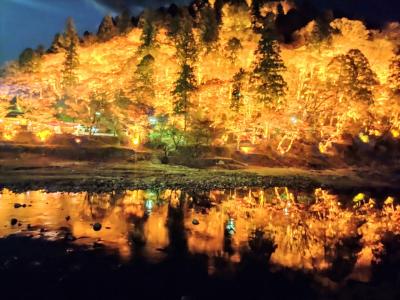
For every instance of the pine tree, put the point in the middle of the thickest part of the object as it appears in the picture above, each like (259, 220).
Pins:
(29, 61)
(394, 73)
(143, 87)
(107, 29)
(186, 48)
(209, 27)
(256, 18)
(124, 23)
(71, 63)
(237, 96)
(321, 33)
(149, 34)
(185, 85)
(58, 44)
(70, 34)
(62, 41)
(267, 74)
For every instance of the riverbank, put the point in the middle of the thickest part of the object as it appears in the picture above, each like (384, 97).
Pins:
(74, 176)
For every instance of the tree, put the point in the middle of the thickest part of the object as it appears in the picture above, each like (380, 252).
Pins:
(233, 46)
(208, 27)
(70, 34)
(29, 60)
(63, 41)
(354, 76)
(267, 73)
(124, 23)
(394, 73)
(58, 44)
(256, 18)
(186, 49)
(321, 32)
(237, 96)
(149, 33)
(185, 85)
(71, 63)
(107, 29)
(143, 88)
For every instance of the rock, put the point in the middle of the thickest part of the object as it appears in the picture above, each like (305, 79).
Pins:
(17, 205)
(67, 218)
(195, 222)
(13, 221)
(96, 226)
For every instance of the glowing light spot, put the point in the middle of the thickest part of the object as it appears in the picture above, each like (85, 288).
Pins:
(364, 138)
(44, 135)
(359, 197)
(78, 140)
(395, 133)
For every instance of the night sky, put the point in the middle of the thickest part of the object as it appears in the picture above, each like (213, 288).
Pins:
(27, 23)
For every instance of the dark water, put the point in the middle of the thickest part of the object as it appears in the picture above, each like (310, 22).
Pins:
(243, 243)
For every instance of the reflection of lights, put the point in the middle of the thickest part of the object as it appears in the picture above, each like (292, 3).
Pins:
(98, 113)
(293, 120)
(78, 140)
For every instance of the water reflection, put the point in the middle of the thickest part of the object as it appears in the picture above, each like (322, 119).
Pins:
(319, 231)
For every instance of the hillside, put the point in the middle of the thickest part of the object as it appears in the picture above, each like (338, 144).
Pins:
(314, 110)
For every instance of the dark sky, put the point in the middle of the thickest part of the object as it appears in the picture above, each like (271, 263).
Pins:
(27, 23)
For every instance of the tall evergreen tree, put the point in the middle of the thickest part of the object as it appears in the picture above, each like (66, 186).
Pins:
(57, 44)
(237, 95)
(29, 60)
(184, 87)
(107, 29)
(267, 73)
(321, 33)
(394, 73)
(209, 27)
(124, 22)
(143, 81)
(70, 34)
(149, 33)
(186, 48)
(71, 63)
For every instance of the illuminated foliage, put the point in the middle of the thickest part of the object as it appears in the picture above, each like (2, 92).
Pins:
(237, 96)
(394, 73)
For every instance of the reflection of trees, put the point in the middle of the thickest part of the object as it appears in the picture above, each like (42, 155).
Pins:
(176, 227)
